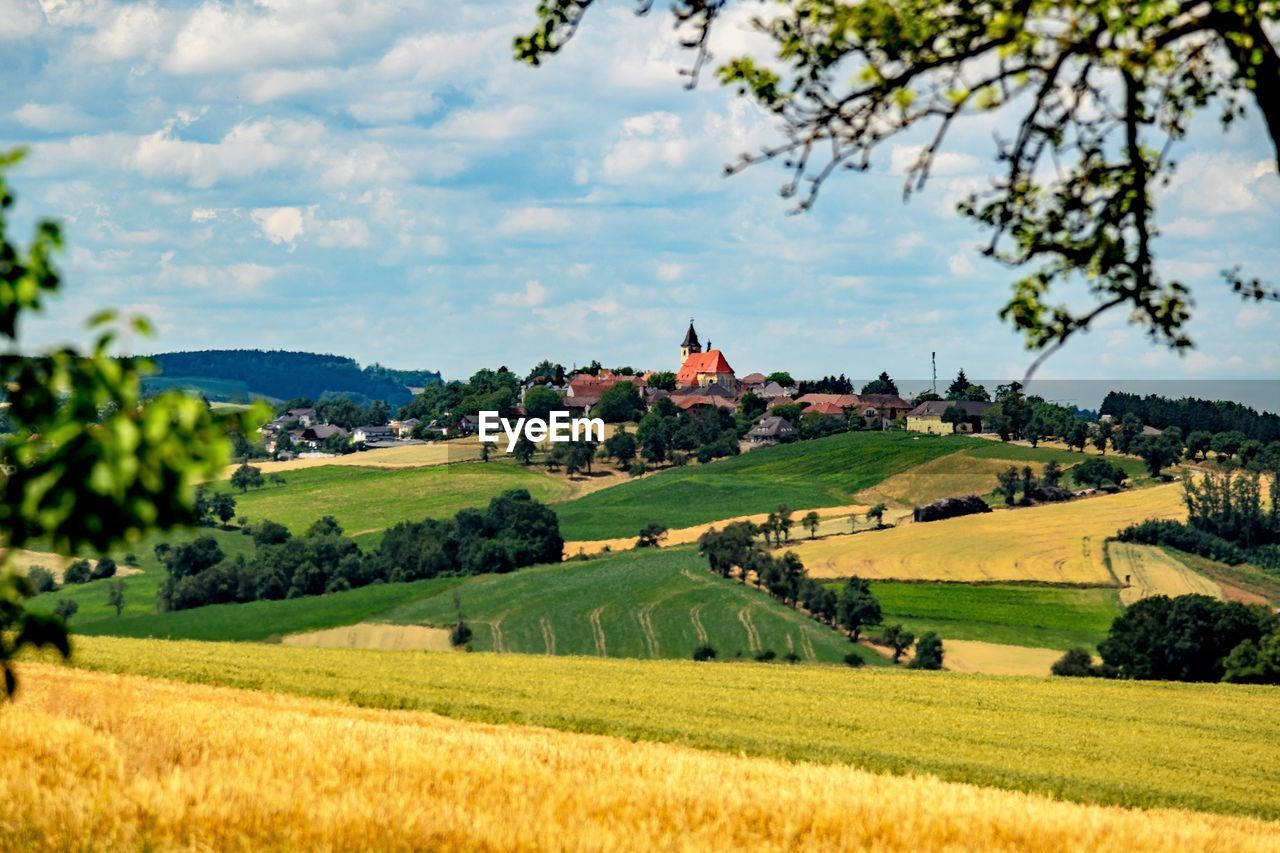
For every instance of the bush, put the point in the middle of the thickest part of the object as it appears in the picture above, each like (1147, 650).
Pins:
(1097, 472)
(1184, 538)
(65, 609)
(42, 580)
(106, 568)
(951, 508)
(791, 657)
(1076, 663)
(928, 652)
(637, 470)
(460, 634)
(704, 652)
(78, 572)
(766, 655)
(854, 660)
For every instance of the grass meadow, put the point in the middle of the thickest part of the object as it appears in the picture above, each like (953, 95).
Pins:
(1207, 747)
(1035, 616)
(145, 764)
(804, 475)
(366, 501)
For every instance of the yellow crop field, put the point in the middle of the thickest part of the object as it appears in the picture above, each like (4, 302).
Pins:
(102, 761)
(1055, 543)
(956, 474)
(1208, 748)
(407, 456)
(1153, 572)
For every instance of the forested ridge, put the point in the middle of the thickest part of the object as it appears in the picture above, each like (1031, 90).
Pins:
(1190, 415)
(285, 374)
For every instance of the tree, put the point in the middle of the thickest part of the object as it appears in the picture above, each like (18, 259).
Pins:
(223, 507)
(880, 385)
(953, 415)
(663, 380)
(246, 477)
(811, 521)
(1254, 662)
(619, 403)
(1156, 451)
(1007, 481)
(876, 514)
(1077, 663)
(1096, 472)
(1225, 445)
(540, 402)
(65, 609)
(1052, 473)
(651, 535)
(900, 639)
(955, 391)
(524, 449)
(41, 580)
(1078, 435)
(928, 652)
(857, 608)
(1198, 444)
(781, 377)
(105, 568)
(1130, 429)
(77, 572)
(622, 447)
(1095, 94)
(1101, 436)
(752, 405)
(784, 522)
(115, 596)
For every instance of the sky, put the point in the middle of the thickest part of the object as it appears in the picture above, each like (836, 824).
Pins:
(382, 180)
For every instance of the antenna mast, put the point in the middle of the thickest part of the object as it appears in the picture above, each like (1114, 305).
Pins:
(933, 358)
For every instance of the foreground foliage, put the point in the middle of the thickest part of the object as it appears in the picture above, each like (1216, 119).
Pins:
(144, 764)
(1204, 747)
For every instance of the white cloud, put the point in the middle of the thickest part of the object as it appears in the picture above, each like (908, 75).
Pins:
(960, 265)
(530, 220)
(203, 214)
(494, 125)
(647, 141)
(19, 19)
(670, 271)
(287, 225)
(247, 149)
(132, 31)
(1252, 316)
(1220, 183)
(49, 117)
(533, 295)
(279, 224)
(1186, 226)
(903, 157)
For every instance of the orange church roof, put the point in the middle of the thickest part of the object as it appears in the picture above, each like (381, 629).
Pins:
(711, 361)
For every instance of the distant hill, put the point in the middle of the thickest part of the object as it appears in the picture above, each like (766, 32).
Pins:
(238, 375)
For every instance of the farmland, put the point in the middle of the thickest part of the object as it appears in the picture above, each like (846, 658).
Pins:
(1152, 571)
(146, 764)
(1034, 616)
(820, 473)
(635, 604)
(368, 500)
(1203, 747)
(1055, 543)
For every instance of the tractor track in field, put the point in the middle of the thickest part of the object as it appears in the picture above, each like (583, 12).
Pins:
(645, 617)
(695, 616)
(691, 576)
(753, 636)
(548, 634)
(597, 631)
(499, 643)
(807, 645)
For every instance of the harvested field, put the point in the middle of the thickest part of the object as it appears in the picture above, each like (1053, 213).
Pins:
(371, 635)
(55, 563)
(1151, 571)
(407, 456)
(1057, 543)
(996, 658)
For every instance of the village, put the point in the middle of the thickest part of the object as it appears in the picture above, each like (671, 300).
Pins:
(703, 380)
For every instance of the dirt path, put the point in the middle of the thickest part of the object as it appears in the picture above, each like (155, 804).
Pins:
(685, 535)
(597, 631)
(753, 636)
(499, 645)
(695, 616)
(548, 634)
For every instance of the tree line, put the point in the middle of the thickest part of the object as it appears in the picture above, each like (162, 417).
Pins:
(1190, 415)
(514, 531)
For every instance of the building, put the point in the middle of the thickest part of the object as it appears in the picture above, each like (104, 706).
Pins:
(699, 369)
(927, 417)
(772, 430)
(372, 434)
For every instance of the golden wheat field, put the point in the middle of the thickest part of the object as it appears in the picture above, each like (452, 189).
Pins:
(1150, 571)
(1055, 543)
(92, 760)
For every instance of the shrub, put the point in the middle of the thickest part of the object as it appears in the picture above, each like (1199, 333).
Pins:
(854, 660)
(78, 572)
(637, 470)
(1097, 472)
(106, 568)
(460, 634)
(65, 609)
(928, 652)
(704, 652)
(791, 657)
(766, 655)
(1185, 538)
(42, 580)
(1076, 663)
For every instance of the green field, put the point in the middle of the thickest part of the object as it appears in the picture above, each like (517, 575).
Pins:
(366, 501)
(637, 604)
(824, 472)
(1046, 617)
(268, 620)
(140, 589)
(1207, 747)
(1135, 468)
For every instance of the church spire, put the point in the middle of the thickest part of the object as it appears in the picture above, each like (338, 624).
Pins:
(690, 344)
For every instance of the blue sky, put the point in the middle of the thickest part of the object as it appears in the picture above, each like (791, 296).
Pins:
(381, 180)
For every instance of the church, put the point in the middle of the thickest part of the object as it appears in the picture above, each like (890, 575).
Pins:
(699, 369)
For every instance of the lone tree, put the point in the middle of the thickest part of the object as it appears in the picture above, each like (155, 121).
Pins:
(928, 652)
(857, 608)
(115, 596)
(876, 514)
(246, 477)
(900, 639)
(1090, 98)
(651, 535)
(65, 609)
(811, 521)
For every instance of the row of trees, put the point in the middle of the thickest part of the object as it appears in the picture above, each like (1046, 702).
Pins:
(513, 531)
(1191, 415)
(1188, 638)
(736, 550)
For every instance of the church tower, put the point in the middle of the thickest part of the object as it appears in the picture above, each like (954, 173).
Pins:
(690, 345)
